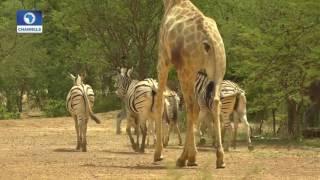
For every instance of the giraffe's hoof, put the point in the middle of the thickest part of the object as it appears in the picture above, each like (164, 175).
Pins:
(191, 163)
(84, 149)
(181, 163)
(251, 147)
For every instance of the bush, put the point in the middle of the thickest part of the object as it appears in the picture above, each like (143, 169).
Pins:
(106, 103)
(55, 108)
(4, 114)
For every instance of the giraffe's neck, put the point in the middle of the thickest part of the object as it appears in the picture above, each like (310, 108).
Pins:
(170, 3)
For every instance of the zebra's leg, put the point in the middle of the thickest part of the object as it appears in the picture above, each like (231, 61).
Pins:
(243, 118)
(143, 128)
(171, 124)
(228, 130)
(179, 134)
(128, 129)
(80, 124)
(166, 129)
(201, 127)
(137, 129)
(77, 132)
(84, 134)
(119, 119)
(235, 132)
(210, 128)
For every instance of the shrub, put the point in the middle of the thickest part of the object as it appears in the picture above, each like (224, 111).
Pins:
(106, 103)
(55, 108)
(4, 114)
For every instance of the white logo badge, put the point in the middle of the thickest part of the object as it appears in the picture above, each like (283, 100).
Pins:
(29, 18)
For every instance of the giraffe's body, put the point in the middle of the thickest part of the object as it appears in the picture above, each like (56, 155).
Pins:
(189, 41)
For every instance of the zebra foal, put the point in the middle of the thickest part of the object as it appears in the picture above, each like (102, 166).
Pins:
(79, 103)
(170, 115)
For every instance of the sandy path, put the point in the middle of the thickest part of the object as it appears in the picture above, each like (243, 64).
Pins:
(44, 149)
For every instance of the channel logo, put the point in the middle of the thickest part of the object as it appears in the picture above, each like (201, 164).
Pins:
(29, 21)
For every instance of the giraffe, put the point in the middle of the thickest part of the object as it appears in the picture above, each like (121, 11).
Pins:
(189, 41)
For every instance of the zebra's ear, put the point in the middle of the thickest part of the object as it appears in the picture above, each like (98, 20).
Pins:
(72, 77)
(123, 71)
(79, 80)
(130, 72)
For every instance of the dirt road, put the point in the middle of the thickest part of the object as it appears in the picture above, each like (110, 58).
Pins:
(44, 149)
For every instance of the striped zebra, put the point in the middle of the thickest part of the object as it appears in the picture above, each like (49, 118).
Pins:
(139, 99)
(79, 103)
(170, 115)
(233, 101)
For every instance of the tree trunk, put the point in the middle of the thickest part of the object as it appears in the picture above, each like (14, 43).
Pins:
(293, 117)
(274, 121)
(260, 127)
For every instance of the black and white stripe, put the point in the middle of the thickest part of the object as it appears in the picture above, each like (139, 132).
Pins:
(233, 101)
(170, 115)
(79, 103)
(139, 99)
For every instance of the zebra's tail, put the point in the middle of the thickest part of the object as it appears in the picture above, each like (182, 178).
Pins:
(154, 89)
(153, 93)
(93, 116)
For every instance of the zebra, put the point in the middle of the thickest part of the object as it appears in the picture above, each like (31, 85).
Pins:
(169, 118)
(139, 99)
(170, 115)
(79, 103)
(233, 101)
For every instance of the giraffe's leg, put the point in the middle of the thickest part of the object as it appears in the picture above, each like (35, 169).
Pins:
(163, 71)
(216, 115)
(77, 131)
(190, 150)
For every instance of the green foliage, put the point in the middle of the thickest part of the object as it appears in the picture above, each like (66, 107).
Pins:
(107, 103)
(272, 49)
(4, 114)
(55, 108)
